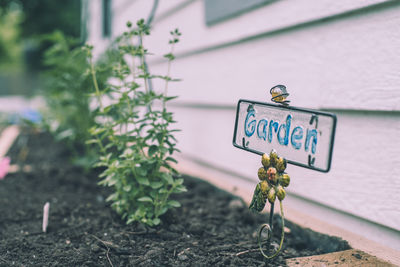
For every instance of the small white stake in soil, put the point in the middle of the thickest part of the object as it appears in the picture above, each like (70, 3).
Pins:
(45, 216)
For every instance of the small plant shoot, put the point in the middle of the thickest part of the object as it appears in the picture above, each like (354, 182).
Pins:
(133, 130)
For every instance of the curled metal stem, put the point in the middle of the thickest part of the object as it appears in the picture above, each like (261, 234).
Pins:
(269, 230)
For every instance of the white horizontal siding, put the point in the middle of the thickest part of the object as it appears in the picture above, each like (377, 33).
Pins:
(276, 15)
(346, 64)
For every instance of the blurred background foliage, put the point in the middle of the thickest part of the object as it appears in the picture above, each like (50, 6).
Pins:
(40, 54)
(23, 23)
(32, 18)
(67, 88)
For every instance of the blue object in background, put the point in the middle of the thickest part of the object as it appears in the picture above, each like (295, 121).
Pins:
(29, 115)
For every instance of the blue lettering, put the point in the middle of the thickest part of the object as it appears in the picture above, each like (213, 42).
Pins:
(313, 133)
(286, 127)
(265, 130)
(263, 134)
(250, 127)
(272, 125)
(297, 136)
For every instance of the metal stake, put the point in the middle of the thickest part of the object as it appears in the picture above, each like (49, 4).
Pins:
(269, 229)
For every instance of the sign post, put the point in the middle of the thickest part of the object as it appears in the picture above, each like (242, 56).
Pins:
(301, 137)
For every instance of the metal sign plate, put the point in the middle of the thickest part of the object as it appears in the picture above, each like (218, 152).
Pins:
(303, 137)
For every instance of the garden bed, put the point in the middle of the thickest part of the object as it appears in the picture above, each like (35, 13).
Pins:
(211, 228)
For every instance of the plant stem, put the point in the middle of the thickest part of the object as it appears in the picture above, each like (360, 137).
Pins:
(96, 86)
(162, 203)
(133, 60)
(146, 86)
(168, 73)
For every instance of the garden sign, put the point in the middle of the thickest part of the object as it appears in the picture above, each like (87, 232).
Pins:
(301, 137)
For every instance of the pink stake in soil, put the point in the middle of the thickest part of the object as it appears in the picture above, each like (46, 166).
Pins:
(45, 222)
(4, 167)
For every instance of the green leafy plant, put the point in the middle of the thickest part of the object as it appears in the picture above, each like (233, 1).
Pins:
(133, 132)
(67, 88)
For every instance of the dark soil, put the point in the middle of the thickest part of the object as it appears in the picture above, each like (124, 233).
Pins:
(209, 229)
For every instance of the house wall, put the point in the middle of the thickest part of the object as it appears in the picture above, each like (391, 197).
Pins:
(337, 56)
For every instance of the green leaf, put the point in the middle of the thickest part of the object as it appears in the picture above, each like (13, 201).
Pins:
(145, 199)
(156, 185)
(143, 180)
(131, 220)
(163, 191)
(159, 137)
(178, 181)
(92, 141)
(171, 159)
(156, 221)
(167, 177)
(127, 188)
(163, 210)
(180, 189)
(169, 56)
(170, 98)
(112, 197)
(110, 180)
(152, 150)
(141, 171)
(174, 203)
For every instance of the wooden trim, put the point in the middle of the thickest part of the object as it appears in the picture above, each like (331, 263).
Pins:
(350, 257)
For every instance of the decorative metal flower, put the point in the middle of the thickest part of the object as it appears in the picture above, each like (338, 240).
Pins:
(273, 179)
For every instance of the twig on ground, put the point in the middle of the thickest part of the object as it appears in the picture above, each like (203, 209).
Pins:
(135, 233)
(247, 251)
(107, 245)
(144, 232)
(116, 249)
(108, 250)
